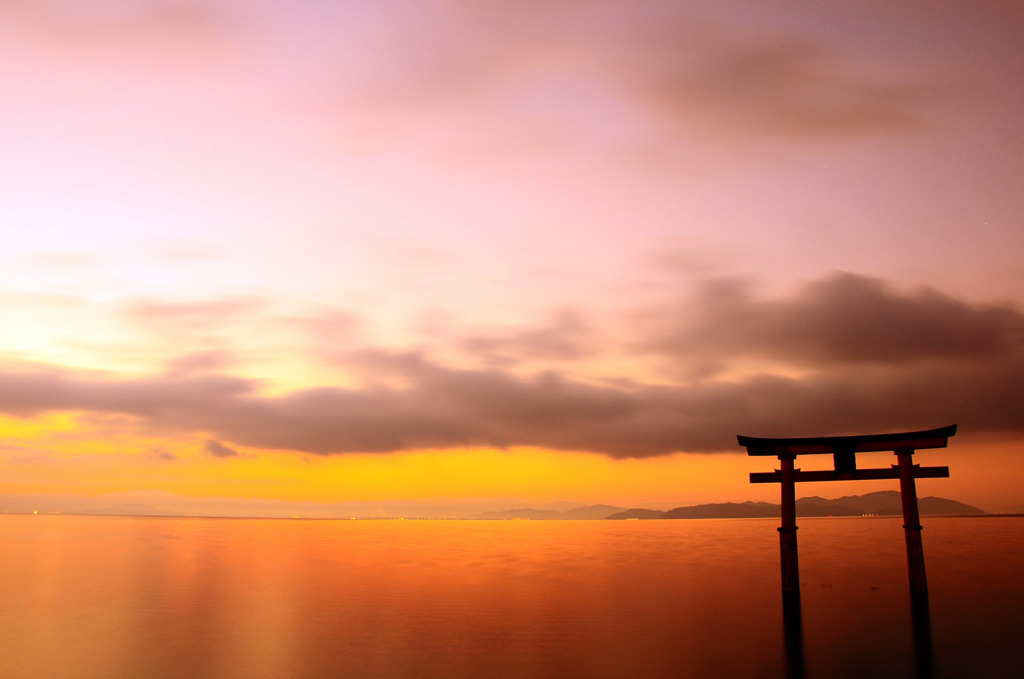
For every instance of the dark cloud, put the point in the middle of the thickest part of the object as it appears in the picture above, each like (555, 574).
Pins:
(32, 391)
(790, 88)
(871, 358)
(447, 407)
(566, 336)
(218, 449)
(687, 74)
(160, 455)
(846, 318)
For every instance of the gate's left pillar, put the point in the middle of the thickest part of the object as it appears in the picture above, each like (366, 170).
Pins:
(787, 531)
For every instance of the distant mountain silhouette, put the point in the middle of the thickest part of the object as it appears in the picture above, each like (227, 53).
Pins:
(637, 514)
(881, 503)
(126, 509)
(589, 512)
(724, 510)
(520, 513)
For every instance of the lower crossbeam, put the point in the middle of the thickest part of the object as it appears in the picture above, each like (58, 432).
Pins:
(857, 475)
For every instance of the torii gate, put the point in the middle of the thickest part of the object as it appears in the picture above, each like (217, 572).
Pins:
(844, 451)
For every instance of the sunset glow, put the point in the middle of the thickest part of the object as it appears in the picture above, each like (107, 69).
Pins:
(476, 253)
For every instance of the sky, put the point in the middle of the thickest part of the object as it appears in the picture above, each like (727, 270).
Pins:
(326, 251)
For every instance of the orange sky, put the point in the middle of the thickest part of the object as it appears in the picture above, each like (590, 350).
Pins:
(309, 251)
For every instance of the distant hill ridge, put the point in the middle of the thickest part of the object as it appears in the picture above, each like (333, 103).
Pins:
(881, 503)
(159, 503)
(589, 512)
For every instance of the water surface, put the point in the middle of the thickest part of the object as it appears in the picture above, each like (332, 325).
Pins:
(111, 597)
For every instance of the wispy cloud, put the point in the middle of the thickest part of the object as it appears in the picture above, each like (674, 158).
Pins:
(789, 88)
(160, 455)
(218, 449)
(567, 336)
(198, 363)
(652, 64)
(192, 315)
(106, 21)
(881, 360)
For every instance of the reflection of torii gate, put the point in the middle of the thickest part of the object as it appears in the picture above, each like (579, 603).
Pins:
(844, 451)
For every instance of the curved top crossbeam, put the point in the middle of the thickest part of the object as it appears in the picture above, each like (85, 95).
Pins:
(915, 440)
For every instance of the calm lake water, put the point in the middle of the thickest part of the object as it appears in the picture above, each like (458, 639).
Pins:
(105, 598)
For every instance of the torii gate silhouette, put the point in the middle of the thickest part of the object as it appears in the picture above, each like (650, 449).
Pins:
(844, 451)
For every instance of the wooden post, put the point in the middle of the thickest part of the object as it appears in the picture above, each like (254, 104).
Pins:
(912, 524)
(787, 531)
(793, 630)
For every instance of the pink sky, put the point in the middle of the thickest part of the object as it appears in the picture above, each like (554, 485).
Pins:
(316, 229)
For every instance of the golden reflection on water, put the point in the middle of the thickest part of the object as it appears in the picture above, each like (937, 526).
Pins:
(222, 598)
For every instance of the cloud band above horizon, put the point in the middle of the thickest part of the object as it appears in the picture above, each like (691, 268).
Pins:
(862, 358)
